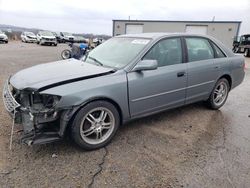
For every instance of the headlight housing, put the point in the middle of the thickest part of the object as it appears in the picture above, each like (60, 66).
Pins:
(44, 101)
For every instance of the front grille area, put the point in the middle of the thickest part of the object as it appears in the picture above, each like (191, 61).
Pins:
(47, 39)
(9, 101)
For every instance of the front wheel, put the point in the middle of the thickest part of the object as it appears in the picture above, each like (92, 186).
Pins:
(219, 94)
(95, 125)
(66, 54)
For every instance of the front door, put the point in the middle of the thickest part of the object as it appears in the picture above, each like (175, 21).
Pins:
(154, 90)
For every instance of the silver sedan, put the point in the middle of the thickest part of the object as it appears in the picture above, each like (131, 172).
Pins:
(124, 78)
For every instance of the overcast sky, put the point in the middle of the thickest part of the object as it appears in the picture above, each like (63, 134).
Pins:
(95, 16)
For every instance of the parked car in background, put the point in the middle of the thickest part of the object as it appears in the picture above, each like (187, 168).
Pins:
(58, 36)
(3, 37)
(28, 37)
(97, 41)
(80, 39)
(46, 37)
(127, 77)
(242, 45)
(67, 37)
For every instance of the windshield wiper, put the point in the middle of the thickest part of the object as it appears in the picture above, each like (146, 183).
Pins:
(95, 60)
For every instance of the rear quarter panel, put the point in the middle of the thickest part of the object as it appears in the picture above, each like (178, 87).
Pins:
(237, 70)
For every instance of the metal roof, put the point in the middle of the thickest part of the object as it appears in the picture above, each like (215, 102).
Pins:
(159, 35)
(178, 21)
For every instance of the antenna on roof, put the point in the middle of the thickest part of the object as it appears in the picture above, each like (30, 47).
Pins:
(213, 19)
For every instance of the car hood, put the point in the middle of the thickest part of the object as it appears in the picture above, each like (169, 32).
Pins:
(48, 37)
(31, 36)
(3, 35)
(69, 36)
(48, 75)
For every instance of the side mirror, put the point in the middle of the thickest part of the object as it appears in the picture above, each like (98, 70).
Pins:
(146, 65)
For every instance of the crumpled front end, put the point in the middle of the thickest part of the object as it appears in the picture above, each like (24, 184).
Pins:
(37, 113)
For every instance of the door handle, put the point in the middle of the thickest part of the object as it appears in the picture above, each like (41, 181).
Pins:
(217, 67)
(180, 74)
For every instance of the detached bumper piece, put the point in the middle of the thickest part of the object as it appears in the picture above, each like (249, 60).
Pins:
(34, 130)
(40, 138)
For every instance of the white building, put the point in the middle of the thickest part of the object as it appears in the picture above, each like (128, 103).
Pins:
(224, 31)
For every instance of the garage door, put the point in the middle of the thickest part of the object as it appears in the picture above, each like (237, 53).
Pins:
(133, 29)
(195, 29)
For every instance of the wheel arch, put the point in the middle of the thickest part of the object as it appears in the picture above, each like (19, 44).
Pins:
(66, 125)
(228, 78)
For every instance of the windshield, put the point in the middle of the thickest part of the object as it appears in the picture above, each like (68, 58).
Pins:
(66, 34)
(46, 33)
(30, 33)
(117, 52)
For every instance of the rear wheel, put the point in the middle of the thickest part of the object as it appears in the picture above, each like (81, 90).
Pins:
(95, 125)
(219, 94)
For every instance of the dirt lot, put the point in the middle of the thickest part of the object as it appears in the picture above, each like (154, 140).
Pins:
(190, 146)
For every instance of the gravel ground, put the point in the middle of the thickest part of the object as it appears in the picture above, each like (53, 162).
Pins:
(190, 146)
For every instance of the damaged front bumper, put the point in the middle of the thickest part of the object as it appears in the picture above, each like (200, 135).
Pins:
(38, 127)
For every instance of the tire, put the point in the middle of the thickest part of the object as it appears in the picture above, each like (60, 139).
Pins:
(55, 44)
(247, 52)
(219, 96)
(235, 50)
(66, 54)
(6, 42)
(96, 119)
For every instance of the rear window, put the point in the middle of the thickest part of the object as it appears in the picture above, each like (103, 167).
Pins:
(199, 49)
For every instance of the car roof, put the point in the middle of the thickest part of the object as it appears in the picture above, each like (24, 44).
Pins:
(160, 35)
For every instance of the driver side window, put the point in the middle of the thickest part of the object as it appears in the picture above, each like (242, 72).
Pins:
(166, 52)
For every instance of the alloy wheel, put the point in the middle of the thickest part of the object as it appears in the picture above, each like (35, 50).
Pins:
(97, 125)
(220, 93)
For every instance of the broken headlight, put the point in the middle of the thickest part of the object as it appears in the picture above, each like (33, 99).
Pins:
(44, 101)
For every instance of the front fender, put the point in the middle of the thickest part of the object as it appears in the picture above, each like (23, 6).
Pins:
(113, 87)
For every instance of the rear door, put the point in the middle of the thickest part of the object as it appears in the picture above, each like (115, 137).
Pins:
(203, 69)
(165, 87)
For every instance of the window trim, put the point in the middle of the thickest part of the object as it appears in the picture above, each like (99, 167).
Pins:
(166, 38)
